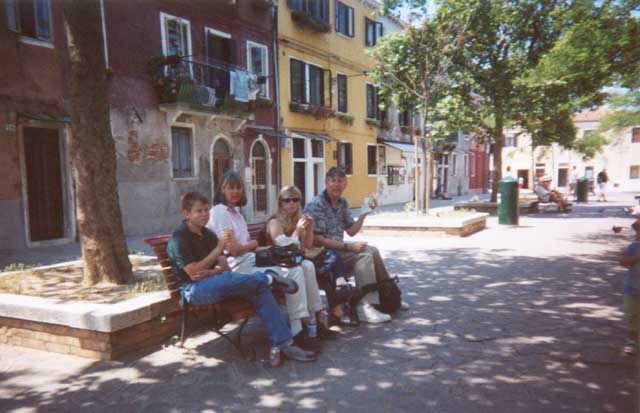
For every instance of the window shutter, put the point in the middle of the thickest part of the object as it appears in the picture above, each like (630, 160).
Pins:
(233, 52)
(350, 22)
(349, 166)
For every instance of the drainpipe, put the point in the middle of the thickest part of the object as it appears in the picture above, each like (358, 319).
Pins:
(104, 35)
(276, 95)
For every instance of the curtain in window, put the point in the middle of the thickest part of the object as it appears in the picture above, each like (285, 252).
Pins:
(12, 21)
(43, 19)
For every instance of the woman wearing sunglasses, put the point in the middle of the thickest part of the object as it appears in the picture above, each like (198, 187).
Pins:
(224, 218)
(290, 227)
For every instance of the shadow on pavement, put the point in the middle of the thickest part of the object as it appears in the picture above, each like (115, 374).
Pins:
(487, 332)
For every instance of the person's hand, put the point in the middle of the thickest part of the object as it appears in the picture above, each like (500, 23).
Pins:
(227, 237)
(356, 247)
(308, 221)
(302, 224)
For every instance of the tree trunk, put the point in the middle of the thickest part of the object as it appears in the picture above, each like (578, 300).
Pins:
(498, 139)
(426, 163)
(104, 247)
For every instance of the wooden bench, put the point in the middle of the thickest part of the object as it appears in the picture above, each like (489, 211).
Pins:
(223, 312)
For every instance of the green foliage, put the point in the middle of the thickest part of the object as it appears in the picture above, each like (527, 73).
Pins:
(345, 118)
(307, 21)
(590, 145)
(625, 111)
(18, 266)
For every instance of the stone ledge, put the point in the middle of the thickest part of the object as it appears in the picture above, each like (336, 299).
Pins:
(525, 207)
(85, 315)
(460, 226)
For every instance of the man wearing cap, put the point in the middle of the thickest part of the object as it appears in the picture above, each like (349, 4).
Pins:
(547, 195)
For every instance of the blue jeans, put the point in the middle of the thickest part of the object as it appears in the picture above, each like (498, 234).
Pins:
(253, 288)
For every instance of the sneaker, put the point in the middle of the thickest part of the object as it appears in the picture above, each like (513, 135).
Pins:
(282, 284)
(293, 352)
(368, 314)
(404, 306)
(310, 344)
(325, 333)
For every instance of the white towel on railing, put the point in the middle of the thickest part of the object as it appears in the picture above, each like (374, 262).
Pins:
(240, 85)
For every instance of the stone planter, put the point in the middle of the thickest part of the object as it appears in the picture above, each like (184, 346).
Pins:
(460, 225)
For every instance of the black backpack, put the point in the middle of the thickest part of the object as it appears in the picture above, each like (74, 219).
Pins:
(390, 295)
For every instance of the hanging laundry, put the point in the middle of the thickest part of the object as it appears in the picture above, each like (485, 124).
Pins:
(240, 85)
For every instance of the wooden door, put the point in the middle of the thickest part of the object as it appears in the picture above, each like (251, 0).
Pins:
(221, 161)
(44, 183)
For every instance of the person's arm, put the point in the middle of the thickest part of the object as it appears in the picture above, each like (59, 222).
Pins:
(357, 225)
(198, 270)
(628, 258)
(320, 239)
(307, 238)
(235, 248)
(219, 219)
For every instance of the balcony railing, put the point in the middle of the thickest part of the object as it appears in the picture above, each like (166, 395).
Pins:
(210, 84)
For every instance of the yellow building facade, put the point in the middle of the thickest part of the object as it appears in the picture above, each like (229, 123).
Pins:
(328, 104)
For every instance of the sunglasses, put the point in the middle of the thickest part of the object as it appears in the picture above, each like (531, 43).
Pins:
(287, 200)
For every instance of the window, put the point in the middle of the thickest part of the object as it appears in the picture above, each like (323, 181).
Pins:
(316, 8)
(316, 85)
(466, 165)
(307, 83)
(344, 19)
(635, 135)
(258, 64)
(181, 152)
(342, 93)
(373, 111)
(317, 148)
(373, 32)
(259, 178)
(31, 18)
(372, 160)
(176, 36)
(382, 160)
(345, 157)
(298, 148)
(634, 172)
(404, 118)
(509, 140)
(297, 81)
(454, 162)
(221, 161)
(472, 164)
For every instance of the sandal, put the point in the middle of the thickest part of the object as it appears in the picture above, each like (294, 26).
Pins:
(630, 349)
(343, 321)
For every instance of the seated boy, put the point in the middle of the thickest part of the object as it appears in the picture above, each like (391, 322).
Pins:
(201, 269)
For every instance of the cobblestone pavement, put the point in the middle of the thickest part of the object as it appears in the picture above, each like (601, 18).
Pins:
(522, 319)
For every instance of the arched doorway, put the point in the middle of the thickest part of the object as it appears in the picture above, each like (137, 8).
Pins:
(259, 178)
(221, 161)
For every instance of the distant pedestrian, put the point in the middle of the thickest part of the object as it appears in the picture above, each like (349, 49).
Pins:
(602, 180)
(573, 182)
(631, 300)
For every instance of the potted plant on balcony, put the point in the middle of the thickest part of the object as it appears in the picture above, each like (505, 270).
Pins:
(322, 112)
(345, 118)
(310, 22)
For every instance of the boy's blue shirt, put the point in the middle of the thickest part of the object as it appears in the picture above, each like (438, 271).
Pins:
(632, 279)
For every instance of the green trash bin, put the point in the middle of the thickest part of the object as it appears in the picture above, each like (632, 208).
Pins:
(508, 213)
(582, 190)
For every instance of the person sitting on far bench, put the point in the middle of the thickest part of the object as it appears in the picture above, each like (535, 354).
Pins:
(201, 268)
(547, 195)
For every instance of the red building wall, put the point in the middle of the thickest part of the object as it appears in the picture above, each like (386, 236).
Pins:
(134, 37)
